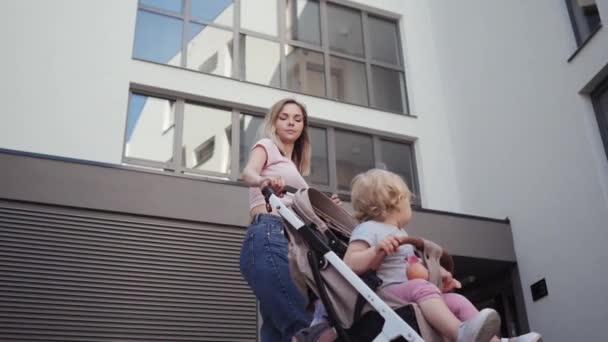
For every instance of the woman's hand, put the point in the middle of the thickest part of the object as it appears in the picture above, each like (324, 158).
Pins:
(276, 183)
(336, 199)
(389, 245)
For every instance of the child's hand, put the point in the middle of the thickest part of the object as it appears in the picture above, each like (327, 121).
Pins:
(336, 199)
(389, 245)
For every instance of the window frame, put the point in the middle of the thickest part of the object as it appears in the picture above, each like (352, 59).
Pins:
(602, 119)
(580, 40)
(174, 165)
(283, 41)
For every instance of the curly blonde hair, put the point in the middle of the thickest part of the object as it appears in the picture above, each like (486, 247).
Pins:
(376, 193)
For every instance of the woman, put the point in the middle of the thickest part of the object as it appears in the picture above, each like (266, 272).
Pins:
(281, 158)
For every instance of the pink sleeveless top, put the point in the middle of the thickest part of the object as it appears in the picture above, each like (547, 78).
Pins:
(276, 165)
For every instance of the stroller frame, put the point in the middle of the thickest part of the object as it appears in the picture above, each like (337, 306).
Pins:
(394, 326)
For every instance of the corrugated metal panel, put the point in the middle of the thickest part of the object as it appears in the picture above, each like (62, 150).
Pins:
(79, 275)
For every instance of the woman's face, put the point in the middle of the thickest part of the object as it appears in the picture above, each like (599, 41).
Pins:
(290, 123)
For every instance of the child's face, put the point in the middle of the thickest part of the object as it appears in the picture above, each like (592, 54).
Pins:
(404, 215)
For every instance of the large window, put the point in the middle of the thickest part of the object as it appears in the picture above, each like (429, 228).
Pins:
(185, 137)
(585, 18)
(600, 103)
(316, 47)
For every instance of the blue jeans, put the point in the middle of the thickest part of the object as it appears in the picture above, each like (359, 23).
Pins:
(265, 267)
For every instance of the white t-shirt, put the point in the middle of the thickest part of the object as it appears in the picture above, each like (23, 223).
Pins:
(393, 268)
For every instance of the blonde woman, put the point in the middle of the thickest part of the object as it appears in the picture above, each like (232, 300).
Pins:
(281, 158)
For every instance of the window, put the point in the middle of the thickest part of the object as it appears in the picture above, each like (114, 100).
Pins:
(399, 158)
(305, 71)
(585, 18)
(148, 136)
(317, 47)
(214, 140)
(303, 21)
(354, 154)
(206, 138)
(600, 104)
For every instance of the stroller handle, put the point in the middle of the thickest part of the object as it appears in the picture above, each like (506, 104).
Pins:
(267, 191)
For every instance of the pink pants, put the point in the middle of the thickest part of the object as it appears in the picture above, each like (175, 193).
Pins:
(419, 290)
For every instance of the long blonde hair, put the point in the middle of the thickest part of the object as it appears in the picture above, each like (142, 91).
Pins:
(301, 151)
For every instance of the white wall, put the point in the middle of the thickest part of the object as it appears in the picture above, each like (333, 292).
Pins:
(64, 76)
(525, 147)
(72, 102)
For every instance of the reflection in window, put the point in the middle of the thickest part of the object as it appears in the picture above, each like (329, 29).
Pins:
(259, 16)
(389, 89)
(319, 171)
(211, 27)
(148, 137)
(206, 138)
(250, 133)
(585, 18)
(303, 22)
(167, 5)
(260, 61)
(385, 49)
(350, 81)
(204, 152)
(210, 50)
(354, 154)
(345, 30)
(305, 71)
(213, 11)
(398, 158)
(158, 38)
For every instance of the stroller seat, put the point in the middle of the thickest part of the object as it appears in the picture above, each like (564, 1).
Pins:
(349, 313)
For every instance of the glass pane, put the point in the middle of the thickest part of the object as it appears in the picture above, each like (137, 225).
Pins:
(389, 88)
(305, 71)
(206, 140)
(348, 81)
(397, 157)
(344, 30)
(150, 128)
(319, 171)
(250, 133)
(383, 40)
(259, 16)
(303, 22)
(260, 61)
(158, 38)
(209, 50)
(169, 5)
(213, 11)
(354, 154)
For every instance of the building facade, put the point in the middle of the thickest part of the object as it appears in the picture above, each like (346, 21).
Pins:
(126, 125)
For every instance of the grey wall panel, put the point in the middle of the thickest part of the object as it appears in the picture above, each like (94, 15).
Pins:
(123, 189)
(82, 275)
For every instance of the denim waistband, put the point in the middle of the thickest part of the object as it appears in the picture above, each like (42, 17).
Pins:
(258, 218)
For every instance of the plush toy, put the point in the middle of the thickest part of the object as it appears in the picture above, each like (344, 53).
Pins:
(416, 270)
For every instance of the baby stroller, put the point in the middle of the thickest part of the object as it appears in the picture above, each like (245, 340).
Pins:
(318, 231)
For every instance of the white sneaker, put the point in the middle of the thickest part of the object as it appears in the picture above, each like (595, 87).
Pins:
(481, 328)
(529, 337)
